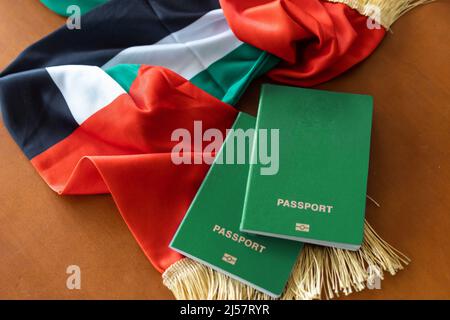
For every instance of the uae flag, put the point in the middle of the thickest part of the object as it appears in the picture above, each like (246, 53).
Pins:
(94, 109)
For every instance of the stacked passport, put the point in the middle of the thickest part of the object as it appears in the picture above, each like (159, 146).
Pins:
(296, 174)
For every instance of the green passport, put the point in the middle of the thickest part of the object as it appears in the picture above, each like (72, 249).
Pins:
(318, 194)
(210, 234)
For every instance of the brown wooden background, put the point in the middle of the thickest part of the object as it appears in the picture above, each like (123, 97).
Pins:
(409, 77)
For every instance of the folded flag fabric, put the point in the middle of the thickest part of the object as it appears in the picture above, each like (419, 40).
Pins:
(317, 40)
(74, 120)
(94, 109)
(193, 40)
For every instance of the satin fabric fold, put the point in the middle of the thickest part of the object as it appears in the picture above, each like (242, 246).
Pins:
(125, 149)
(318, 40)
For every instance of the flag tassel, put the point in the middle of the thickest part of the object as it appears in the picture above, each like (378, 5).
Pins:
(320, 272)
(329, 272)
(389, 11)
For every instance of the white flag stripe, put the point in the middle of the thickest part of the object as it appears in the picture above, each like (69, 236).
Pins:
(86, 89)
(208, 25)
(187, 51)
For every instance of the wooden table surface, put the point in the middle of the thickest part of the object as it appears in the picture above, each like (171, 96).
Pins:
(42, 233)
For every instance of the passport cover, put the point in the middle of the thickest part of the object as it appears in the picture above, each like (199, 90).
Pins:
(210, 234)
(319, 193)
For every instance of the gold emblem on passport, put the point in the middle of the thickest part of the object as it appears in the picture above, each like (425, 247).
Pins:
(302, 227)
(228, 258)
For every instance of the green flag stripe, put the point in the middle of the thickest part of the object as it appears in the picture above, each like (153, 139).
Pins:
(124, 74)
(60, 6)
(225, 79)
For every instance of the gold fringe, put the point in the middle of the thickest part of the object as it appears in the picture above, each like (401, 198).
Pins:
(390, 10)
(190, 280)
(319, 272)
